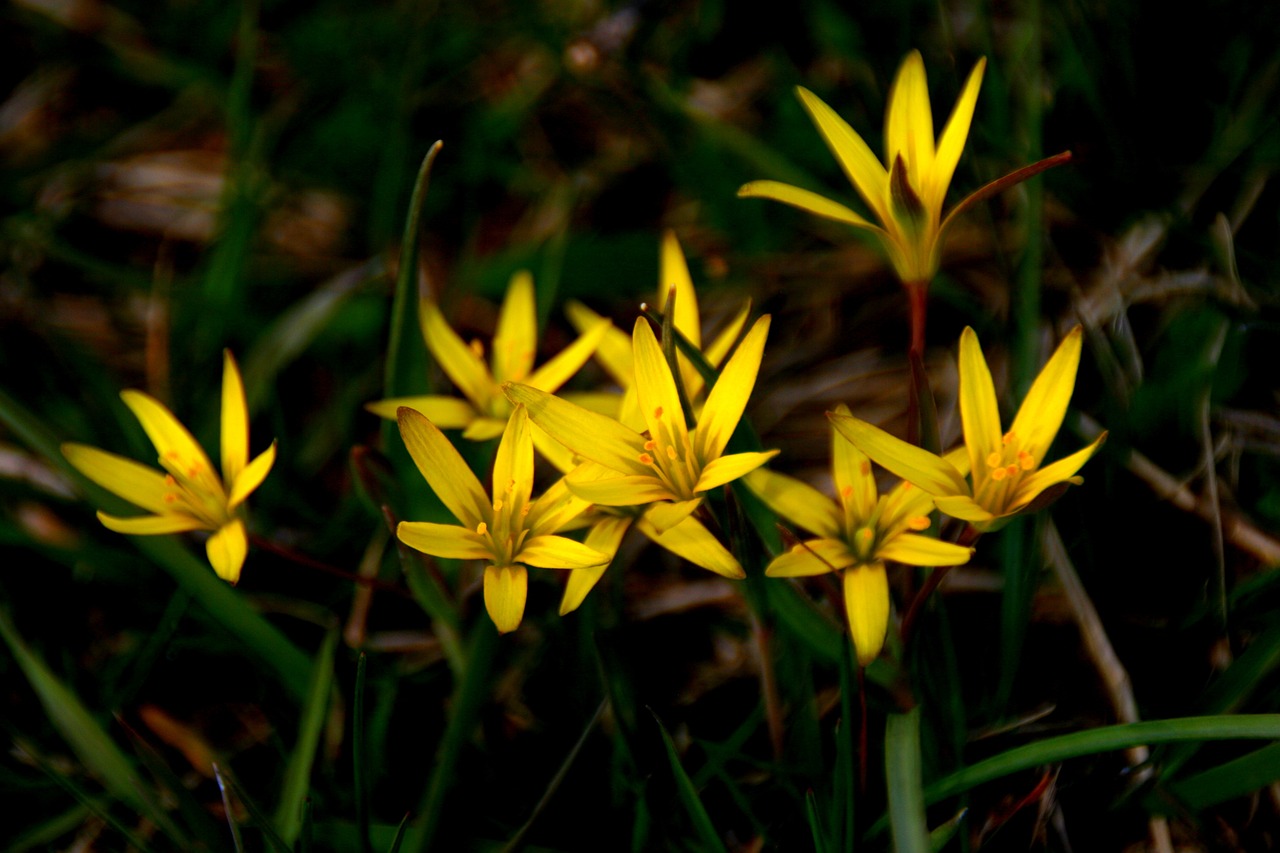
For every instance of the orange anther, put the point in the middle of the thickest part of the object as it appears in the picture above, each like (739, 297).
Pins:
(1011, 470)
(918, 522)
(999, 474)
(657, 413)
(1008, 438)
(651, 445)
(1026, 460)
(671, 452)
(865, 468)
(646, 459)
(497, 505)
(482, 528)
(477, 347)
(846, 492)
(993, 459)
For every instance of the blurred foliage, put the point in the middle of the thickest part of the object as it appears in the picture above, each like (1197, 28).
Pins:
(183, 177)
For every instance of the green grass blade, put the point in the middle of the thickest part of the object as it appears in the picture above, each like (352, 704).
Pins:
(227, 809)
(257, 815)
(689, 795)
(1233, 779)
(904, 779)
(87, 739)
(358, 756)
(399, 839)
(815, 822)
(44, 835)
(941, 836)
(297, 774)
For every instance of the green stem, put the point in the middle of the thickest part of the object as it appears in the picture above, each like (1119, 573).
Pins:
(905, 780)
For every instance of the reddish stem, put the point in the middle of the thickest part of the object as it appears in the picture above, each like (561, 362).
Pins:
(967, 538)
(311, 563)
(918, 301)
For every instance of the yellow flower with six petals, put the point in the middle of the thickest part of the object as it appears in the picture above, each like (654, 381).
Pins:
(1006, 468)
(483, 413)
(190, 495)
(857, 532)
(509, 531)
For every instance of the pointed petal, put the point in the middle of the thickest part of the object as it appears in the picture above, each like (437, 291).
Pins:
(674, 272)
(515, 341)
(605, 536)
(459, 361)
(979, 411)
(444, 412)
(1041, 414)
(796, 501)
(809, 202)
(954, 134)
(931, 473)
(560, 369)
(133, 481)
(513, 465)
(173, 442)
(656, 391)
(692, 541)
(614, 350)
(148, 525)
(555, 508)
(728, 398)
(964, 508)
(606, 403)
(505, 590)
(866, 603)
(227, 547)
(904, 502)
(909, 121)
(250, 477)
(814, 557)
(855, 483)
(591, 436)
(915, 550)
(665, 515)
(999, 185)
(235, 420)
(448, 541)
(444, 469)
(622, 490)
(859, 163)
(559, 552)
(726, 469)
(1040, 479)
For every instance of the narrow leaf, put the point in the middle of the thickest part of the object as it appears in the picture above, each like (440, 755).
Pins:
(297, 774)
(905, 781)
(689, 795)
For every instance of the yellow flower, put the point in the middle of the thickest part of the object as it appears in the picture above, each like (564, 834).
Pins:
(905, 193)
(483, 413)
(1006, 466)
(614, 351)
(509, 531)
(856, 533)
(191, 495)
(669, 465)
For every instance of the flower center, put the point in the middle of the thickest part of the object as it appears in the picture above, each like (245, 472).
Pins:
(672, 458)
(1005, 468)
(194, 489)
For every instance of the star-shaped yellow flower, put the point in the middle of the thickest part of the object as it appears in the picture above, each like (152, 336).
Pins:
(857, 532)
(483, 413)
(1006, 466)
(907, 191)
(509, 531)
(670, 464)
(191, 495)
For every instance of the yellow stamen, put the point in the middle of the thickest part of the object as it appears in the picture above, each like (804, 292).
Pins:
(646, 459)
(999, 474)
(918, 522)
(1026, 460)
(1008, 438)
(671, 452)
(651, 445)
(497, 505)
(1011, 470)
(657, 413)
(993, 459)
(482, 528)
(477, 347)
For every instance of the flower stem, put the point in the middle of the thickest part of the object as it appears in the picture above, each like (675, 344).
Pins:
(918, 301)
(967, 538)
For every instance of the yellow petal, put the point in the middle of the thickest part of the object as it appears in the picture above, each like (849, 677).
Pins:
(136, 483)
(235, 420)
(558, 370)
(444, 470)
(172, 441)
(483, 429)
(674, 272)
(459, 361)
(814, 557)
(855, 482)
(726, 469)
(614, 349)
(251, 476)
(656, 390)
(954, 134)
(513, 465)
(810, 202)
(866, 602)
(920, 467)
(605, 536)
(559, 552)
(444, 412)
(979, 412)
(909, 122)
(505, 590)
(965, 508)
(621, 490)
(590, 435)
(226, 549)
(515, 341)
(915, 550)
(904, 502)
(1041, 414)
(667, 514)
(1040, 479)
(554, 508)
(728, 398)
(448, 541)
(859, 163)
(692, 541)
(796, 501)
(148, 525)
(606, 403)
